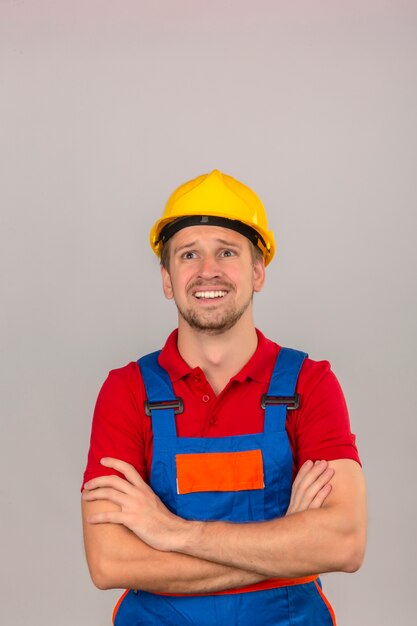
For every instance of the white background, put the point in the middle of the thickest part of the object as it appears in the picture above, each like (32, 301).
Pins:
(105, 107)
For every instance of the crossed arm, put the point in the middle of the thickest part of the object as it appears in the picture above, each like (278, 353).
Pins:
(133, 541)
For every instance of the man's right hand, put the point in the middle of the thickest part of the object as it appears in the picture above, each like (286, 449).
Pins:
(311, 486)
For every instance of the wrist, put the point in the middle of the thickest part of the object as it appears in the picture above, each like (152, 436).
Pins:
(189, 537)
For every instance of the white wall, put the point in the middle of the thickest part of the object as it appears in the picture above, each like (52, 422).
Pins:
(105, 107)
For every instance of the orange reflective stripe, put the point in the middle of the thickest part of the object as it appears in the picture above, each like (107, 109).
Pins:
(120, 600)
(271, 583)
(326, 602)
(220, 471)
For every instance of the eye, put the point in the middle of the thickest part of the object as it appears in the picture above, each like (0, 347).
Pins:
(189, 255)
(227, 253)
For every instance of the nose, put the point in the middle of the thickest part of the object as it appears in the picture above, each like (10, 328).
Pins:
(209, 267)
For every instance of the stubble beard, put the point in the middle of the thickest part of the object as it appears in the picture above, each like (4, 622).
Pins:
(209, 322)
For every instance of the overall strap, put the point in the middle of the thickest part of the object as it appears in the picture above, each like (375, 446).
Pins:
(161, 403)
(281, 394)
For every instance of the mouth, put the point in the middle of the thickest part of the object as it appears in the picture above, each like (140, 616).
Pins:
(210, 294)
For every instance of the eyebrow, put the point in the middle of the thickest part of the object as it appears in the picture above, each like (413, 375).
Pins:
(184, 247)
(230, 244)
(224, 242)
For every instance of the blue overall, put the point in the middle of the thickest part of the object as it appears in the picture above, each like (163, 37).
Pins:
(292, 605)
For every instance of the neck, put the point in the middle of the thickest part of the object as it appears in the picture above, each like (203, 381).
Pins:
(219, 356)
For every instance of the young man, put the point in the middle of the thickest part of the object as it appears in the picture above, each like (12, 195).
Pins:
(189, 500)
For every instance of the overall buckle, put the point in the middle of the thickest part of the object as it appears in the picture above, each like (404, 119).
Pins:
(177, 405)
(292, 402)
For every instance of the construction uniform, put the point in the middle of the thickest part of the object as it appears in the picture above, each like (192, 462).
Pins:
(244, 478)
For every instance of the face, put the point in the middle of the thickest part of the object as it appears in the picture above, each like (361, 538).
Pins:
(212, 277)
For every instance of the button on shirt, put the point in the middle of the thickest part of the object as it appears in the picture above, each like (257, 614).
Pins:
(200, 389)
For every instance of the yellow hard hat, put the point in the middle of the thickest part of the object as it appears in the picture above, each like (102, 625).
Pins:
(219, 200)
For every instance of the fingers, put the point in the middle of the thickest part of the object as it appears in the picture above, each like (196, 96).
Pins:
(318, 491)
(321, 496)
(114, 482)
(311, 475)
(311, 486)
(302, 473)
(308, 473)
(133, 478)
(113, 488)
(112, 495)
(314, 487)
(124, 468)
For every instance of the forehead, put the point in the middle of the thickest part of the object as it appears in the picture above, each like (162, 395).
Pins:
(194, 235)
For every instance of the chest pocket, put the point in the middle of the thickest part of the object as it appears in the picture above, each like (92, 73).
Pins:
(220, 485)
(219, 471)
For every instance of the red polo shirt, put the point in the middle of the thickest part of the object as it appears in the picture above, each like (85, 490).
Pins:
(319, 429)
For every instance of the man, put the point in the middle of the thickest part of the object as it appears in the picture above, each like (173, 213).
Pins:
(188, 499)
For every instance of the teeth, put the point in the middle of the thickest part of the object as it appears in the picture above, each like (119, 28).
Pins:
(210, 294)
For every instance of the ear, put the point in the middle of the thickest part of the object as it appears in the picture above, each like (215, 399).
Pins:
(258, 274)
(166, 284)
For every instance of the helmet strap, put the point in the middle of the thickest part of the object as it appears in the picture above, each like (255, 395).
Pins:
(210, 220)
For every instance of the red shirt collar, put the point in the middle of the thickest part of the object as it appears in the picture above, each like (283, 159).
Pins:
(259, 367)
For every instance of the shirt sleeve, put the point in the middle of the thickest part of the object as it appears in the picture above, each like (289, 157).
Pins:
(118, 424)
(321, 428)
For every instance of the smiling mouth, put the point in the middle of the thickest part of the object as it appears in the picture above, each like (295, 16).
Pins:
(210, 295)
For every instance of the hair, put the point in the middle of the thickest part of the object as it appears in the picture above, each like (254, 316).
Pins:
(256, 254)
(165, 255)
